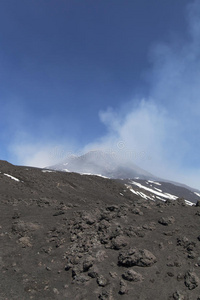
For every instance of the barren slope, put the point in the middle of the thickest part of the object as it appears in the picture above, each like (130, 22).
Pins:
(69, 236)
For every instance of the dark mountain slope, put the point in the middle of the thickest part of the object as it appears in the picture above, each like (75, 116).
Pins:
(112, 165)
(71, 236)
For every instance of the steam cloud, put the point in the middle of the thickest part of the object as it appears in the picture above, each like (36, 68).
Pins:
(164, 126)
(161, 132)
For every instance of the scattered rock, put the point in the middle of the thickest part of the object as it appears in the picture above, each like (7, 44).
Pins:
(168, 233)
(174, 264)
(25, 241)
(170, 274)
(81, 278)
(170, 202)
(135, 257)
(16, 215)
(101, 280)
(150, 226)
(131, 275)
(166, 221)
(56, 292)
(19, 227)
(58, 213)
(93, 274)
(179, 296)
(180, 277)
(119, 242)
(198, 203)
(191, 280)
(113, 274)
(88, 263)
(161, 246)
(112, 208)
(181, 202)
(183, 241)
(123, 288)
(106, 295)
(137, 211)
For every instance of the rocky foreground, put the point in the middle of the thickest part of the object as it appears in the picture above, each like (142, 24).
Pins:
(69, 236)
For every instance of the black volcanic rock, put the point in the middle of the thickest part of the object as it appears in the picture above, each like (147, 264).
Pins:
(131, 275)
(136, 257)
(166, 221)
(191, 280)
(71, 236)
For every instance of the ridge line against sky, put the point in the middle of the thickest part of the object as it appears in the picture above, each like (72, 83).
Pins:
(118, 76)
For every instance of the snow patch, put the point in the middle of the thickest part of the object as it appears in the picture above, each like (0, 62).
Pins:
(141, 194)
(134, 192)
(158, 190)
(159, 198)
(154, 182)
(12, 177)
(189, 203)
(101, 176)
(157, 194)
(85, 173)
(164, 195)
(197, 194)
(94, 175)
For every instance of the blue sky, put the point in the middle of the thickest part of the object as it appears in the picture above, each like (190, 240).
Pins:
(118, 75)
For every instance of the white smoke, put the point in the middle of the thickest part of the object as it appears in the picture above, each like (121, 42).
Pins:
(160, 132)
(164, 126)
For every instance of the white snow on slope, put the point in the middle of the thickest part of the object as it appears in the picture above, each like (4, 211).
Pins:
(86, 173)
(144, 195)
(157, 194)
(164, 195)
(189, 203)
(159, 190)
(154, 182)
(12, 177)
(197, 194)
(139, 193)
(101, 176)
(94, 175)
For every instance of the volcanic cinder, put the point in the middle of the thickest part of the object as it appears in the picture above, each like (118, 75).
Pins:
(71, 236)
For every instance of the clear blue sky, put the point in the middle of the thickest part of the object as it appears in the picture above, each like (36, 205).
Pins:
(78, 75)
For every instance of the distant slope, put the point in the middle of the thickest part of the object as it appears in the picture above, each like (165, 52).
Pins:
(101, 163)
(108, 165)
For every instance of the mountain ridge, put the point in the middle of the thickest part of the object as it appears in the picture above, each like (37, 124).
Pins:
(97, 162)
(104, 163)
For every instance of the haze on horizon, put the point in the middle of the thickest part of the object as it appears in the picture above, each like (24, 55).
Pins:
(119, 76)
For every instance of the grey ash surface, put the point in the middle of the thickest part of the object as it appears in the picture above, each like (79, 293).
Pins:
(71, 236)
